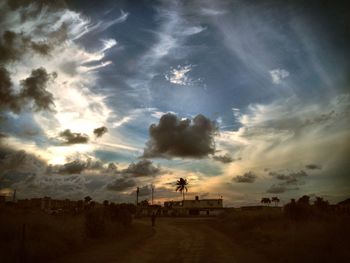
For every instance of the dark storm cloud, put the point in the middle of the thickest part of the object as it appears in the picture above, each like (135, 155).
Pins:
(34, 88)
(223, 158)
(142, 168)
(73, 137)
(290, 178)
(14, 45)
(313, 167)
(94, 164)
(41, 47)
(10, 178)
(19, 160)
(277, 189)
(75, 167)
(182, 138)
(112, 168)
(17, 166)
(11, 47)
(99, 132)
(248, 177)
(289, 181)
(16, 4)
(121, 184)
(8, 99)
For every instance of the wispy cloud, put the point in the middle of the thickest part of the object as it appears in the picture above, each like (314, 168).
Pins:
(174, 28)
(102, 26)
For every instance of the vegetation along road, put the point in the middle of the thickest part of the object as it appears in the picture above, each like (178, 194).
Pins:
(171, 240)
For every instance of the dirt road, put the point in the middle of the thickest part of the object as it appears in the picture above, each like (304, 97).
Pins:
(186, 240)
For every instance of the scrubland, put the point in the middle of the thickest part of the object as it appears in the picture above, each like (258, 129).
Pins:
(278, 237)
(35, 236)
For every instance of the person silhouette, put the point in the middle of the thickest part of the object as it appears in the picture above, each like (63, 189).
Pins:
(153, 219)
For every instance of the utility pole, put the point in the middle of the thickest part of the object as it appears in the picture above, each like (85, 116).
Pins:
(152, 189)
(14, 195)
(137, 196)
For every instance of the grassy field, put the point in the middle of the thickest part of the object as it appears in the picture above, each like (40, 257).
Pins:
(268, 232)
(47, 237)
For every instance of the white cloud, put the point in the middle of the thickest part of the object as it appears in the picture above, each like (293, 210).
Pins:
(278, 75)
(179, 75)
(123, 120)
(287, 132)
(212, 11)
(108, 43)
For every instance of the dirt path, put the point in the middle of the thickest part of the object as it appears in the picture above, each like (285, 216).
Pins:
(186, 240)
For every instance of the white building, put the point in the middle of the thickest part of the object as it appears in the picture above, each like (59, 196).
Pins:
(205, 207)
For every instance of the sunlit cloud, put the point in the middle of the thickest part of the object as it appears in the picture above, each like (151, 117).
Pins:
(278, 75)
(179, 75)
(108, 43)
(76, 107)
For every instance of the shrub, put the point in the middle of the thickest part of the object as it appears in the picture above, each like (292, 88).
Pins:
(94, 223)
(125, 217)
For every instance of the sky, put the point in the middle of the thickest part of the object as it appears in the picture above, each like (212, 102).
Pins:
(244, 99)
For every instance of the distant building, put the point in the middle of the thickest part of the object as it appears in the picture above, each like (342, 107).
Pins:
(149, 210)
(48, 204)
(204, 207)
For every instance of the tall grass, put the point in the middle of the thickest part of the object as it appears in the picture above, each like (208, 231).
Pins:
(280, 239)
(46, 236)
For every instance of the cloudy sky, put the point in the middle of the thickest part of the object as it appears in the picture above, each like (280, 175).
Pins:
(245, 99)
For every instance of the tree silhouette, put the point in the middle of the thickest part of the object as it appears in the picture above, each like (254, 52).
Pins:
(144, 203)
(305, 200)
(87, 199)
(275, 199)
(265, 200)
(181, 185)
(321, 204)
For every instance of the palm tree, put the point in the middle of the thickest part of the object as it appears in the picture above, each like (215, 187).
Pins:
(181, 185)
(265, 200)
(275, 199)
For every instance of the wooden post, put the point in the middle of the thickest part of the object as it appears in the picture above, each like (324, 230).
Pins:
(22, 248)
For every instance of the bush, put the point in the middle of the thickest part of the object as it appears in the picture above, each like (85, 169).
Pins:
(125, 217)
(94, 223)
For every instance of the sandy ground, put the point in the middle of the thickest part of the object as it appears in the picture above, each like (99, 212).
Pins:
(171, 240)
